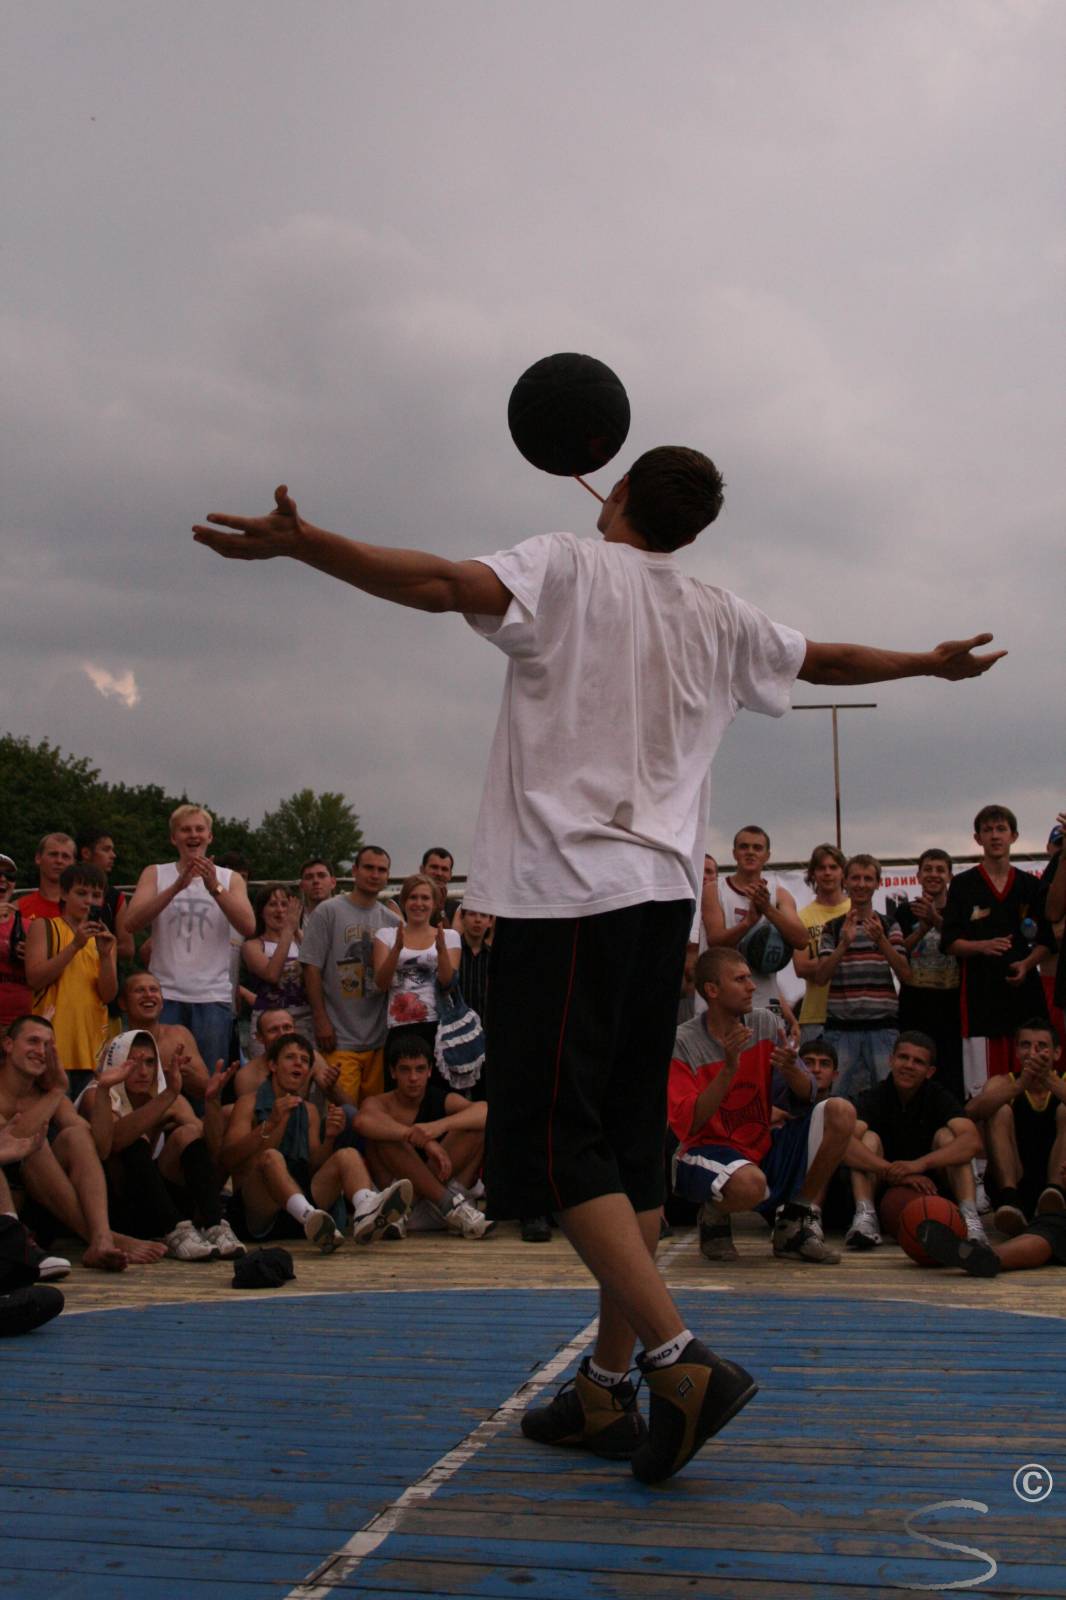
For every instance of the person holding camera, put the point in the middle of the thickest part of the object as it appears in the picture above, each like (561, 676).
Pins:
(71, 966)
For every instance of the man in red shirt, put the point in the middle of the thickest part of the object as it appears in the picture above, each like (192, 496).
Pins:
(55, 854)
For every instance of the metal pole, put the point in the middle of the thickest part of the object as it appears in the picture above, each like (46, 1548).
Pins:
(848, 705)
(836, 772)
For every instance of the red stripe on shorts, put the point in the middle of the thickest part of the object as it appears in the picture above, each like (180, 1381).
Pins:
(559, 1058)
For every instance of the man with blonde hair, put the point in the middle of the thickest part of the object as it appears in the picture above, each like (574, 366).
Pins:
(192, 905)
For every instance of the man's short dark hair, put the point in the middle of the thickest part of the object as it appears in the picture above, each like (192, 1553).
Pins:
(89, 838)
(994, 813)
(672, 493)
(920, 1041)
(319, 861)
(276, 1046)
(370, 850)
(712, 962)
(84, 873)
(18, 1024)
(818, 855)
(407, 1047)
(1037, 1025)
(819, 1047)
(751, 827)
(437, 850)
(934, 853)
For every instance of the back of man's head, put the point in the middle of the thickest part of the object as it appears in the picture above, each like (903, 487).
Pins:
(672, 492)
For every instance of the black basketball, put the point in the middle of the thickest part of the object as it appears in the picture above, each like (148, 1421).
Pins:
(568, 414)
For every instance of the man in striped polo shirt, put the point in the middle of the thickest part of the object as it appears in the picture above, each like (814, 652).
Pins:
(859, 957)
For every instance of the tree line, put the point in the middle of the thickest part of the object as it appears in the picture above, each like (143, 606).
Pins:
(42, 790)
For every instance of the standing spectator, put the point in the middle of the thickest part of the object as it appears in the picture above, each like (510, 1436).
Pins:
(475, 931)
(272, 958)
(929, 999)
(438, 865)
(1053, 888)
(858, 956)
(317, 883)
(14, 991)
(825, 875)
(97, 847)
(757, 916)
(55, 854)
(192, 905)
(70, 965)
(409, 963)
(347, 1008)
(992, 925)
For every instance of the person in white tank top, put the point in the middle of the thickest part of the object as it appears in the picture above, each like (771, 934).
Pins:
(191, 905)
(751, 895)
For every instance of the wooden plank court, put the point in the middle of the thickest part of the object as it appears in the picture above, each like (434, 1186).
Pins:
(232, 1445)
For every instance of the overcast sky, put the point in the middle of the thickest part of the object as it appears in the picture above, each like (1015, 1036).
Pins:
(248, 243)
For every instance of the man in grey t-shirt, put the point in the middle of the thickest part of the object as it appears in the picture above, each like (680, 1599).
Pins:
(336, 954)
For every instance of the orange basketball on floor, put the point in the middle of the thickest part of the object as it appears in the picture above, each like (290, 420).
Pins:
(892, 1205)
(927, 1208)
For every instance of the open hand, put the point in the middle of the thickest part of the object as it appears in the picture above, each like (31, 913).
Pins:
(955, 659)
(219, 1078)
(279, 533)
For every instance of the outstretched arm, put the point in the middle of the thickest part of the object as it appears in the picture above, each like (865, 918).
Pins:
(844, 664)
(406, 577)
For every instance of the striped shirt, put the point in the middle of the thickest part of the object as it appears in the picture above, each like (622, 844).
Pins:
(862, 992)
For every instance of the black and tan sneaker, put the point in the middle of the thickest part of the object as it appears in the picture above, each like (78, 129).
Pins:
(589, 1416)
(690, 1401)
(798, 1233)
(974, 1256)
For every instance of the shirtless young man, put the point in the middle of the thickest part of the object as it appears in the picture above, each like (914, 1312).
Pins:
(141, 1000)
(64, 1175)
(623, 675)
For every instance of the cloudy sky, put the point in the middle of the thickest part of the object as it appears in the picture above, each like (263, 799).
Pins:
(247, 243)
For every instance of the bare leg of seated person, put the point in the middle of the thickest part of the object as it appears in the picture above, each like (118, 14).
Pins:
(439, 1204)
(266, 1187)
(67, 1178)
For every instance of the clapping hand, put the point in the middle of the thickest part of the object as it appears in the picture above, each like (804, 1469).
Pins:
(334, 1122)
(737, 1038)
(53, 1078)
(218, 1079)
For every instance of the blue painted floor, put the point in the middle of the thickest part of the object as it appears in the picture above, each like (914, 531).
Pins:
(186, 1452)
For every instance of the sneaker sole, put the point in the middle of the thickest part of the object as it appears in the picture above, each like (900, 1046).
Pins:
(396, 1206)
(326, 1238)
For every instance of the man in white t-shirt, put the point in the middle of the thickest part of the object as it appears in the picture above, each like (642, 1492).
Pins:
(623, 675)
(192, 905)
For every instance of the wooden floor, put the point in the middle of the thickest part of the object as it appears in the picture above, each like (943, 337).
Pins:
(173, 1439)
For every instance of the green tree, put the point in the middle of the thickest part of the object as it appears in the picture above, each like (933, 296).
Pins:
(305, 825)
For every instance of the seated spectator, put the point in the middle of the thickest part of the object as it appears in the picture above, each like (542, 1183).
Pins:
(71, 968)
(825, 875)
(1024, 1116)
(992, 925)
(859, 955)
(55, 854)
(729, 1070)
(911, 1133)
(192, 904)
(348, 1009)
(63, 1173)
(96, 847)
(929, 997)
(756, 915)
(322, 1086)
(141, 1001)
(158, 1156)
(409, 963)
(14, 991)
(1041, 1243)
(438, 865)
(317, 883)
(272, 958)
(12, 1152)
(285, 1168)
(433, 1140)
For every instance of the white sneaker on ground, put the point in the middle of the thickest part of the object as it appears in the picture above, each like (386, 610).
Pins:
(798, 1233)
(320, 1229)
(49, 1268)
(864, 1234)
(468, 1221)
(391, 1205)
(975, 1228)
(224, 1240)
(186, 1243)
(425, 1218)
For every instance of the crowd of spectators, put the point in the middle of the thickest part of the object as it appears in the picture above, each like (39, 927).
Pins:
(186, 1068)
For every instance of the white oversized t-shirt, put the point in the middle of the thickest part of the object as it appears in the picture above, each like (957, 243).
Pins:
(623, 675)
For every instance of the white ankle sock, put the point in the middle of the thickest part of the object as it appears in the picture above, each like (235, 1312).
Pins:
(664, 1355)
(362, 1200)
(299, 1208)
(600, 1375)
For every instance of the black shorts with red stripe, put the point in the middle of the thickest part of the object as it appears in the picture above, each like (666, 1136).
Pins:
(582, 1014)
